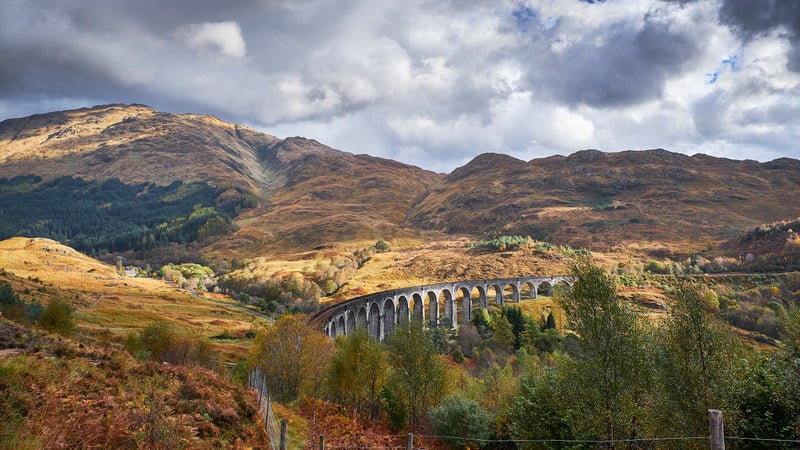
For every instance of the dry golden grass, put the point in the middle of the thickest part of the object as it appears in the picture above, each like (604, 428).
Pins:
(133, 143)
(108, 303)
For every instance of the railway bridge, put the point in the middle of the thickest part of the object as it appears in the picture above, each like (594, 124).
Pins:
(435, 303)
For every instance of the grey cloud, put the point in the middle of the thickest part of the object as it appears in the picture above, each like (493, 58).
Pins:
(775, 114)
(753, 18)
(428, 82)
(708, 112)
(622, 66)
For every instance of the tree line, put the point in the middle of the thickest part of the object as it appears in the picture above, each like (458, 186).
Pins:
(607, 374)
(98, 217)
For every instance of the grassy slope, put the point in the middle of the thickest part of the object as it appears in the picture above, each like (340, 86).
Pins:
(314, 195)
(311, 193)
(101, 395)
(133, 143)
(111, 306)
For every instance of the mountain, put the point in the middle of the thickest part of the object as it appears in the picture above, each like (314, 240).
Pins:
(128, 178)
(322, 195)
(135, 144)
(654, 198)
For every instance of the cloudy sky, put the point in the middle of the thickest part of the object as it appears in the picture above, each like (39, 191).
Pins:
(431, 83)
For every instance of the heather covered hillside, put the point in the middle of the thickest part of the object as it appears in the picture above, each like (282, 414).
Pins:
(136, 180)
(600, 200)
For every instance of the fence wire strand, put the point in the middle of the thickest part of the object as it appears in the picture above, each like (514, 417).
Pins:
(314, 445)
(565, 441)
(783, 441)
(256, 381)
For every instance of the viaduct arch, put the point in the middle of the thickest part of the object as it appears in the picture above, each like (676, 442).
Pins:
(442, 303)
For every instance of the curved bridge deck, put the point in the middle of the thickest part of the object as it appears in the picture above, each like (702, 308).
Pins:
(436, 303)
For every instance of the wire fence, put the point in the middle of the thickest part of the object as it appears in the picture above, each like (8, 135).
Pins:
(256, 381)
(413, 442)
(279, 439)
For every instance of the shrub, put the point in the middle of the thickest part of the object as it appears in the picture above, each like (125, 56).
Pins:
(461, 419)
(7, 295)
(14, 308)
(505, 243)
(160, 342)
(381, 246)
(58, 317)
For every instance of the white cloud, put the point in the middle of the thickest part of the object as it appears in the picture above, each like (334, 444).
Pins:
(425, 82)
(224, 38)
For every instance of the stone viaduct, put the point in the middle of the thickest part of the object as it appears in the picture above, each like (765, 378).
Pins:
(435, 303)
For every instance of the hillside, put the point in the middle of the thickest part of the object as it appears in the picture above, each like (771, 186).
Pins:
(653, 198)
(158, 187)
(133, 143)
(325, 196)
(276, 194)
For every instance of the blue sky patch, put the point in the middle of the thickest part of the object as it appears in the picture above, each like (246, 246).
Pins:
(732, 61)
(525, 16)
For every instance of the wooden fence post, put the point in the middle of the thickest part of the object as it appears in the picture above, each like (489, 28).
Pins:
(321, 442)
(284, 433)
(717, 429)
(410, 441)
(267, 414)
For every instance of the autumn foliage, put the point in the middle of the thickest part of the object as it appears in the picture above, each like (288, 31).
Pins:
(55, 393)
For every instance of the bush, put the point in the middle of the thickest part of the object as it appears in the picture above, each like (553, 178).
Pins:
(58, 317)
(160, 342)
(14, 308)
(505, 243)
(381, 246)
(462, 418)
(7, 295)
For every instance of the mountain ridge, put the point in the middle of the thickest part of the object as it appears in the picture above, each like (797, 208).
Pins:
(594, 199)
(311, 194)
(308, 192)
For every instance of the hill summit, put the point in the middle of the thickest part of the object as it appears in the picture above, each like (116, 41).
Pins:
(153, 180)
(256, 193)
(600, 200)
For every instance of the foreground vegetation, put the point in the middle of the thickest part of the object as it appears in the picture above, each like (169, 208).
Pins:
(585, 365)
(607, 375)
(56, 393)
